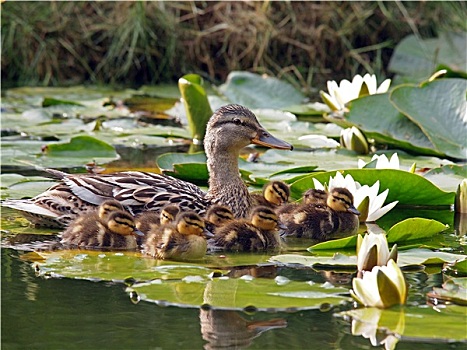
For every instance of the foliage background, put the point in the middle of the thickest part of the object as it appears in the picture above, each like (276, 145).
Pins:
(135, 43)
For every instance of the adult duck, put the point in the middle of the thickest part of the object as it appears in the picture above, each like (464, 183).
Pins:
(229, 129)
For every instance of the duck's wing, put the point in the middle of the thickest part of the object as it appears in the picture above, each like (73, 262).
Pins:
(137, 191)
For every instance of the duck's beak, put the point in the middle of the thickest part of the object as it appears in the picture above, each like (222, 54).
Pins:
(207, 233)
(264, 138)
(137, 232)
(353, 210)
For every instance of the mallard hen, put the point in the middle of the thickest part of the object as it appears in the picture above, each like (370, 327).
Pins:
(230, 128)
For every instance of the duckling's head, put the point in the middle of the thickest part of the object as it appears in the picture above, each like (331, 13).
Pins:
(219, 215)
(169, 213)
(264, 218)
(276, 192)
(122, 223)
(108, 207)
(233, 127)
(190, 223)
(315, 196)
(340, 199)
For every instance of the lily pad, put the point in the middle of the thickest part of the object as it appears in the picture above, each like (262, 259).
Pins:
(82, 146)
(256, 91)
(240, 293)
(408, 257)
(420, 57)
(453, 290)
(411, 323)
(438, 108)
(414, 228)
(381, 121)
(401, 186)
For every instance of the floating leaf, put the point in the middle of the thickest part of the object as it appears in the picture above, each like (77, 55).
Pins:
(454, 290)
(438, 108)
(414, 228)
(82, 146)
(256, 91)
(410, 322)
(49, 101)
(342, 243)
(240, 293)
(420, 57)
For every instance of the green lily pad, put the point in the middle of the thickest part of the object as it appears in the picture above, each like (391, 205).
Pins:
(414, 228)
(453, 290)
(438, 108)
(420, 57)
(410, 322)
(197, 107)
(49, 101)
(255, 91)
(19, 186)
(408, 257)
(82, 146)
(377, 117)
(447, 177)
(240, 293)
(401, 184)
(335, 244)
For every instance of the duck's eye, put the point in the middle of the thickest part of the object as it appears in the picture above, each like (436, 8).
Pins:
(237, 121)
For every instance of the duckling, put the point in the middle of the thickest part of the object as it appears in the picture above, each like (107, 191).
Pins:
(150, 220)
(258, 234)
(311, 196)
(217, 216)
(230, 128)
(114, 230)
(321, 222)
(181, 241)
(275, 194)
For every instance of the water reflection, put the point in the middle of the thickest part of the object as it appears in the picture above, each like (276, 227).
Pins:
(224, 329)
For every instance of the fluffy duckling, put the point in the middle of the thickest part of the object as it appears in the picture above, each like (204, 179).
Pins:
(151, 220)
(258, 234)
(311, 196)
(217, 216)
(320, 222)
(275, 194)
(183, 240)
(108, 227)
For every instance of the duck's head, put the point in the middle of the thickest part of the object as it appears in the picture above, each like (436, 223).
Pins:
(264, 218)
(315, 196)
(169, 214)
(122, 223)
(276, 192)
(219, 215)
(190, 223)
(234, 127)
(340, 199)
(108, 207)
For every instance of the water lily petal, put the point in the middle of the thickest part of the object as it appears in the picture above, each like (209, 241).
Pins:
(380, 212)
(384, 87)
(370, 81)
(318, 185)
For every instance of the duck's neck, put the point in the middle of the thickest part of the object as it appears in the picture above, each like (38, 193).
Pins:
(225, 184)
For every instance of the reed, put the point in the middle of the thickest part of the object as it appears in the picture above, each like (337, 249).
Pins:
(135, 43)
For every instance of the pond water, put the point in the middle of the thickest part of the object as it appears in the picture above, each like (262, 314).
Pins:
(40, 313)
(56, 313)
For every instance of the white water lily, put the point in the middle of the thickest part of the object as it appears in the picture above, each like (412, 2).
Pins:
(382, 287)
(359, 192)
(354, 140)
(339, 95)
(373, 250)
(382, 162)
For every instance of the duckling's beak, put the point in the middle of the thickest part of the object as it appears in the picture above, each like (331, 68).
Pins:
(353, 210)
(137, 232)
(264, 138)
(281, 226)
(208, 234)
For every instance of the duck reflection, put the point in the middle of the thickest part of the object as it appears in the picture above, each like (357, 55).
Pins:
(226, 329)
